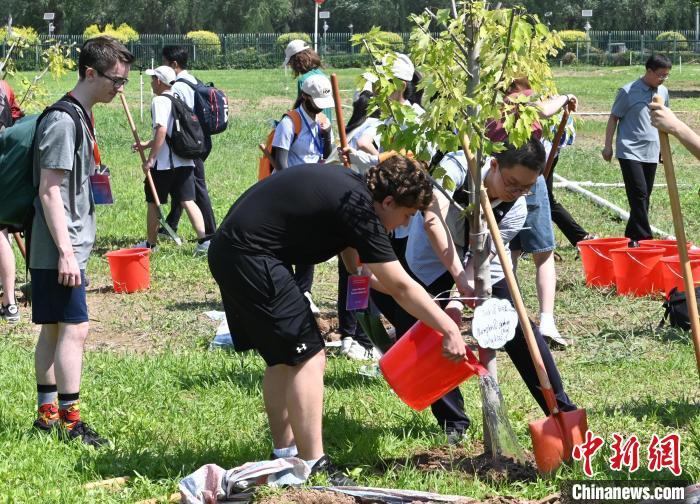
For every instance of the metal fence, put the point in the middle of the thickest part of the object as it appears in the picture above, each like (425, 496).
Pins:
(261, 50)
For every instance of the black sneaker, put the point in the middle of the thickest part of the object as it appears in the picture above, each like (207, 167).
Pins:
(85, 433)
(454, 436)
(43, 427)
(10, 313)
(336, 477)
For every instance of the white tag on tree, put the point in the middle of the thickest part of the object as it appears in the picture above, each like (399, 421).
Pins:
(494, 323)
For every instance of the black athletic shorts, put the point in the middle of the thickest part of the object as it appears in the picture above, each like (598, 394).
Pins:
(53, 303)
(178, 182)
(265, 308)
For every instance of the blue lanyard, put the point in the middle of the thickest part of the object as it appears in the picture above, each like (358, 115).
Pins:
(318, 139)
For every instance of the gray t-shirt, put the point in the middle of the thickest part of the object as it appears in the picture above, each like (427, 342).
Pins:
(637, 139)
(54, 149)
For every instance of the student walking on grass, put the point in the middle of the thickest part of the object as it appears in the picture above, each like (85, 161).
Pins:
(176, 57)
(63, 234)
(637, 147)
(172, 175)
(307, 215)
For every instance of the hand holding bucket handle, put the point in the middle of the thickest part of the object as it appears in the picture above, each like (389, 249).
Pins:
(339, 115)
(677, 214)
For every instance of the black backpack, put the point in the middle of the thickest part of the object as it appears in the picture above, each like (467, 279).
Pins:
(677, 309)
(186, 138)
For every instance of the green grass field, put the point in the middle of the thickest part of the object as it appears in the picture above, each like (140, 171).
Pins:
(170, 405)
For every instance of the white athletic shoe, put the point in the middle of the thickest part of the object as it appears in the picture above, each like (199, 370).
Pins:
(312, 305)
(345, 345)
(358, 352)
(549, 330)
(202, 248)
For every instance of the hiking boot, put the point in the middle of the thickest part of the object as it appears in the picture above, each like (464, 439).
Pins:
(202, 248)
(10, 313)
(358, 352)
(84, 433)
(551, 333)
(336, 477)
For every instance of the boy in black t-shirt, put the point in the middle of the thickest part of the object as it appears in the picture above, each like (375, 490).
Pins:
(306, 216)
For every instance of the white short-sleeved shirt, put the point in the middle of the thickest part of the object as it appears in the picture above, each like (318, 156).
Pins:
(161, 112)
(420, 255)
(308, 147)
(181, 89)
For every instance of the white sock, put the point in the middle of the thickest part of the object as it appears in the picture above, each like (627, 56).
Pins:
(290, 451)
(312, 463)
(546, 318)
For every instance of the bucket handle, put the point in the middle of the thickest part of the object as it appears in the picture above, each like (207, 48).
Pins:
(638, 262)
(597, 252)
(696, 282)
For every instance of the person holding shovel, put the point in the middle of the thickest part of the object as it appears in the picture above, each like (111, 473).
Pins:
(63, 234)
(172, 174)
(307, 215)
(438, 240)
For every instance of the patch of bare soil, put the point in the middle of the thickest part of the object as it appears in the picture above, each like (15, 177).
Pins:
(471, 461)
(301, 496)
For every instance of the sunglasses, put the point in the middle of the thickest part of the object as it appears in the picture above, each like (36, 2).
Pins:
(117, 82)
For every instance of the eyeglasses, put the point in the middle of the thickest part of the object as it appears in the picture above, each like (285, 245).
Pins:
(117, 82)
(662, 77)
(511, 188)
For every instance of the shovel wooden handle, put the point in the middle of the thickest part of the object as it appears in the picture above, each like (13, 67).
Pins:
(557, 139)
(20, 244)
(518, 303)
(134, 132)
(679, 228)
(339, 115)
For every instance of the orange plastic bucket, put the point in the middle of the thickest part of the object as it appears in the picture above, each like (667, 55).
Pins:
(415, 368)
(596, 260)
(635, 269)
(670, 249)
(672, 276)
(130, 269)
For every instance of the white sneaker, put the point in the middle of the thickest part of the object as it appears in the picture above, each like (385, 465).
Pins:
(549, 330)
(145, 244)
(358, 352)
(312, 305)
(345, 345)
(202, 248)
(10, 313)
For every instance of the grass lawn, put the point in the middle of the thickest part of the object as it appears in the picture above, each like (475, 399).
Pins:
(170, 405)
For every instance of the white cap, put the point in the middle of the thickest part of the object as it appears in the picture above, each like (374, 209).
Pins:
(164, 73)
(294, 47)
(401, 67)
(318, 87)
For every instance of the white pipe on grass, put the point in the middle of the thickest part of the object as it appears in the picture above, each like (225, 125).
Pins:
(623, 214)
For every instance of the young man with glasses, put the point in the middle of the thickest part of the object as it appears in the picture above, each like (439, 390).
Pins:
(637, 146)
(63, 234)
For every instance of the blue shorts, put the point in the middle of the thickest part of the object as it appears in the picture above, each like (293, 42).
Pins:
(538, 235)
(53, 303)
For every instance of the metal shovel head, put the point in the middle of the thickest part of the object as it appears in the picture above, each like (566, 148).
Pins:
(554, 437)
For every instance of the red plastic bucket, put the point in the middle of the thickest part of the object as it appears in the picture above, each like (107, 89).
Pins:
(672, 276)
(130, 268)
(635, 269)
(596, 260)
(670, 249)
(415, 368)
